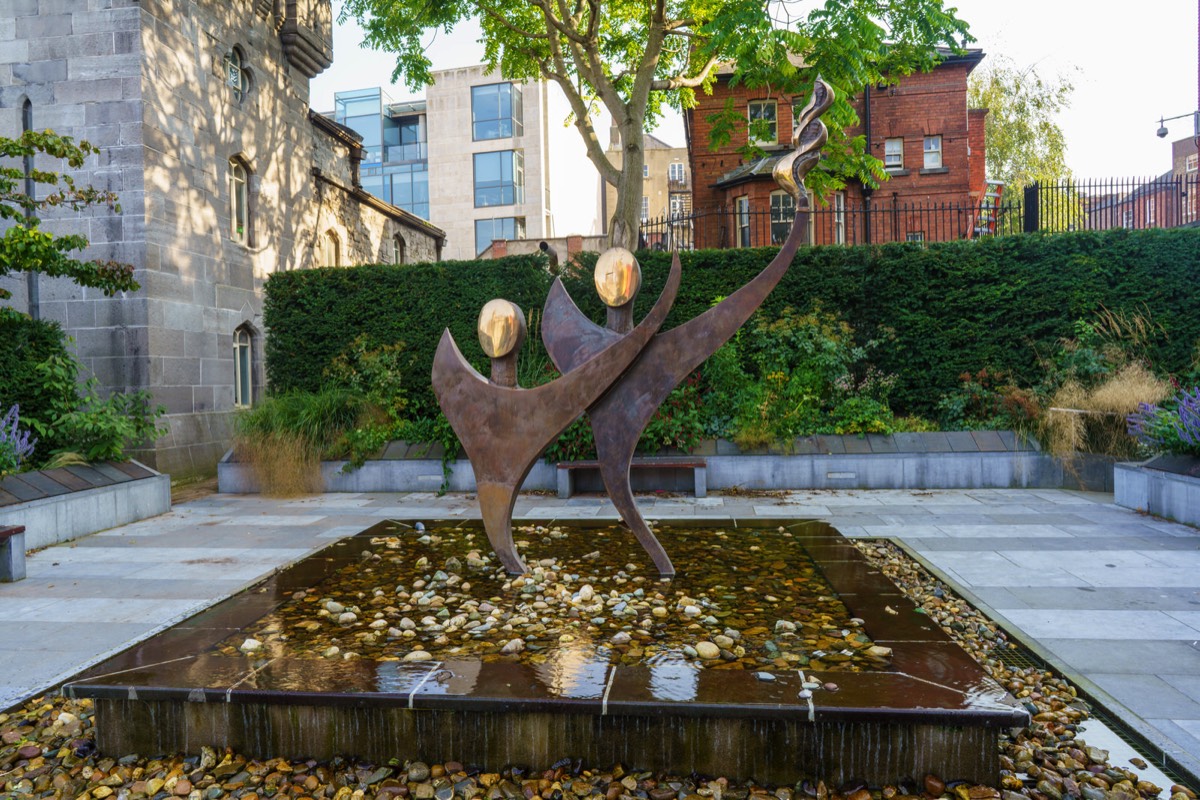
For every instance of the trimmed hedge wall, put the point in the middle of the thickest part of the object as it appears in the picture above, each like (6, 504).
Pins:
(944, 308)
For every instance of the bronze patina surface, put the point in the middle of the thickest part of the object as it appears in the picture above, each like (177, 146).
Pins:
(619, 417)
(504, 428)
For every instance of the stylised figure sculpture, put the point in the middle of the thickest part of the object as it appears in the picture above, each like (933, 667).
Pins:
(619, 373)
(620, 416)
(503, 427)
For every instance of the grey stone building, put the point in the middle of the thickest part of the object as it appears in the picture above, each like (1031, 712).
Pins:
(200, 109)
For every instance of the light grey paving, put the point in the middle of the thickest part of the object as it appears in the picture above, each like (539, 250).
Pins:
(1075, 624)
(1108, 596)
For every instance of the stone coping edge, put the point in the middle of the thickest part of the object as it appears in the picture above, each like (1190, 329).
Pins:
(64, 517)
(1163, 494)
(908, 471)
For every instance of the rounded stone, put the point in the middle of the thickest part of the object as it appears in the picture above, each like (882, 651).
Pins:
(707, 650)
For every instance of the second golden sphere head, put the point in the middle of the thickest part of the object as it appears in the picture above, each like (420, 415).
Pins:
(501, 328)
(618, 276)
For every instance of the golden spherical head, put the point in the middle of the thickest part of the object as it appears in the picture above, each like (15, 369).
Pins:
(618, 276)
(501, 328)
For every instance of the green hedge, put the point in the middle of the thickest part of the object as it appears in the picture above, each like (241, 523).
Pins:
(313, 315)
(25, 343)
(944, 308)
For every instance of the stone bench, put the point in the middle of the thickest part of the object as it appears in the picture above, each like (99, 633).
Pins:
(12, 553)
(699, 467)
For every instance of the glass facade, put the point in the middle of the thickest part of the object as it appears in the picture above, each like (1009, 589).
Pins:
(499, 178)
(395, 164)
(486, 230)
(496, 111)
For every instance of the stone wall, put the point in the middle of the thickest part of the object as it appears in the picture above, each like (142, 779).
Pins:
(147, 83)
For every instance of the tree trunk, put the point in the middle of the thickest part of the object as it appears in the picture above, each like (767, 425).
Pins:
(625, 225)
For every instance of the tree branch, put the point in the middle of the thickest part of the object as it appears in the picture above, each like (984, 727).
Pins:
(495, 16)
(680, 82)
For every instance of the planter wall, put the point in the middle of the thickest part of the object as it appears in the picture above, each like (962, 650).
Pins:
(1168, 493)
(58, 505)
(955, 460)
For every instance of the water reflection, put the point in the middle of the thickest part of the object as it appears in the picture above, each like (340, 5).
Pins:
(674, 681)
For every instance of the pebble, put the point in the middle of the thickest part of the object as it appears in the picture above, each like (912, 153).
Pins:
(418, 771)
(418, 655)
(707, 650)
(334, 607)
(250, 646)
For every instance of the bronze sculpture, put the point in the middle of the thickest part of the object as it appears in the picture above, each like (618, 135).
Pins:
(619, 373)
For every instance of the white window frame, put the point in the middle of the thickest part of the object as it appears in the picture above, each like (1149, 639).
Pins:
(933, 152)
(1127, 218)
(676, 206)
(741, 216)
(398, 249)
(239, 202)
(915, 236)
(893, 153)
(1191, 163)
(1151, 206)
(645, 208)
(675, 171)
(839, 218)
(645, 170)
(781, 203)
(243, 368)
(774, 120)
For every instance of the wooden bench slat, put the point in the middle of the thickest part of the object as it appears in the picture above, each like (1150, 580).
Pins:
(697, 464)
(666, 461)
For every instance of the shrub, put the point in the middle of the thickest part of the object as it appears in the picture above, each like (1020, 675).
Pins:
(284, 437)
(1082, 420)
(24, 344)
(75, 418)
(1173, 427)
(15, 445)
(987, 400)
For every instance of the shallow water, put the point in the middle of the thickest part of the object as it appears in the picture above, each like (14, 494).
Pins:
(592, 597)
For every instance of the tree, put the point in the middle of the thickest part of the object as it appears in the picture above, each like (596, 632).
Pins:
(1024, 141)
(25, 247)
(633, 56)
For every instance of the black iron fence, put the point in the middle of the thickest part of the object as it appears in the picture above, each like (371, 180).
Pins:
(1165, 202)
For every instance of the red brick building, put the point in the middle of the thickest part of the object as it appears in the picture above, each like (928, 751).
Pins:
(931, 144)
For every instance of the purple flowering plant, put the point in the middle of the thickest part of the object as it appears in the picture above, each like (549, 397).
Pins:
(15, 444)
(1173, 427)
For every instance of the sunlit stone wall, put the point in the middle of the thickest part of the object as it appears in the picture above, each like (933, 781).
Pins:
(148, 82)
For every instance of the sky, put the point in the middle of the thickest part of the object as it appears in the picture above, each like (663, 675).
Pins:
(1131, 63)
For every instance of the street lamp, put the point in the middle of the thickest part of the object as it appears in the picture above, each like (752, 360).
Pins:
(1162, 124)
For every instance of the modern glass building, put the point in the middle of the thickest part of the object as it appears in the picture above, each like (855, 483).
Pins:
(395, 164)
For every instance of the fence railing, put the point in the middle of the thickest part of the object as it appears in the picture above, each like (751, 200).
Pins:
(1164, 202)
